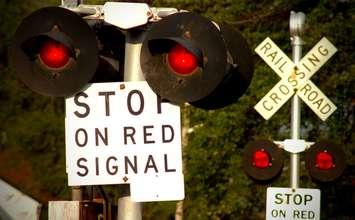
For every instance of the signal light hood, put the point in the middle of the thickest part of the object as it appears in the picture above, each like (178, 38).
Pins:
(263, 172)
(331, 169)
(223, 55)
(65, 27)
(199, 36)
(32, 45)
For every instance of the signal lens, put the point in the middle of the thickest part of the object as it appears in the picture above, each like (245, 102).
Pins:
(324, 161)
(54, 54)
(261, 159)
(181, 60)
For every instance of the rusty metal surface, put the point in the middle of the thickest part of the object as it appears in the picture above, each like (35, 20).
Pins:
(91, 210)
(61, 82)
(201, 37)
(78, 210)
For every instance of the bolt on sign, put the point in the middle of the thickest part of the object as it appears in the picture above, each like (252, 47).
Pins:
(119, 133)
(295, 78)
(292, 204)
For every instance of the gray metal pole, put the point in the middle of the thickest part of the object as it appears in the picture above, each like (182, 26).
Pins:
(127, 209)
(76, 193)
(132, 67)
(296, 29)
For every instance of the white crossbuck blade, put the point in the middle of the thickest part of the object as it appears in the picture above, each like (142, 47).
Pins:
(295, 78)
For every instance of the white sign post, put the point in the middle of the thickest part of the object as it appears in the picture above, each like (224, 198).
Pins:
(295, 203)
(295, 78)
(120, 133)
(289, 204)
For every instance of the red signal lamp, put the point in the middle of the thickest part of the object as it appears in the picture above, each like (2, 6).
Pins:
(57, 57)
(261, 159)
(188, 58)
(181, 61)
(324, 161)
(54, 54)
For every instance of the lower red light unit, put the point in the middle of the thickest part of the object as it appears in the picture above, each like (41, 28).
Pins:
(54, 54)
(324, 161)
(261, 159)
(182, 61)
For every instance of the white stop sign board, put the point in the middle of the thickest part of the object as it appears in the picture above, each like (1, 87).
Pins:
(295, 78)
(120, 133)
(289, 204)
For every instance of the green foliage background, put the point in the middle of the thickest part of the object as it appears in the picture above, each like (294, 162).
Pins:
(216, 186)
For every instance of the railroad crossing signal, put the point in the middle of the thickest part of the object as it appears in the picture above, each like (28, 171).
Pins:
(325, 161)
(59, 57)
(181, 64)
(262, 160)
(56, 57)
(295, 78)
(183, 56)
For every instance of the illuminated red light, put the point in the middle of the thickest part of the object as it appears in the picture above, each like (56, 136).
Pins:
(324, 161)
(261, 159)
(181, 60)
(54, 54)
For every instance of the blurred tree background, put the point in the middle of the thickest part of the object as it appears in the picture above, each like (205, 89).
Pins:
(32, 148)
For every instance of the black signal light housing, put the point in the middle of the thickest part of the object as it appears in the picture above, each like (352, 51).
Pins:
(262, 160)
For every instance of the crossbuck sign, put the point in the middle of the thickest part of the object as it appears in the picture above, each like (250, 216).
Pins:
(295, 78)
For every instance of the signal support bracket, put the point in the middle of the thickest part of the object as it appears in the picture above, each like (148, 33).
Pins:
(71, 3)
(124, 15)
(297, 23)
(294, 145)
